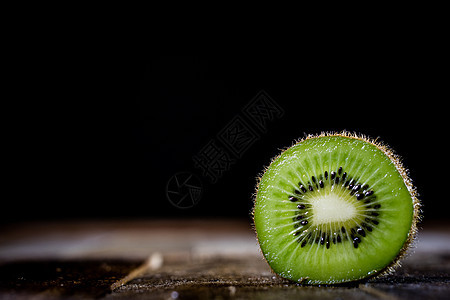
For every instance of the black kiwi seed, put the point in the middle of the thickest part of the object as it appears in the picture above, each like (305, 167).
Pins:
(361, 232)
(338, 238)
(344, 175)
(304, 243)
(313, 179)
(304, 222)
(299, 217)
(297, 192)
(301, 206)
(355, 189)
(333, 174)
(368, 193)
(359, 196)
(303, 188)
(310, 188)
(340, 170)
(326, 175)
(317, 239)
(367, 227)
(336, 180)
(350, 184)
(343, 229)
(321, 183)
(293, 199)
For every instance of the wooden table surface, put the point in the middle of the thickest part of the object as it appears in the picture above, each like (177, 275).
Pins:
(186, 259)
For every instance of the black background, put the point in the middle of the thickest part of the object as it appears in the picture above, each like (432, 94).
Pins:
(98, 135)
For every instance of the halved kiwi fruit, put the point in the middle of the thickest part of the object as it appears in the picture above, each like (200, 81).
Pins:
(335, 208)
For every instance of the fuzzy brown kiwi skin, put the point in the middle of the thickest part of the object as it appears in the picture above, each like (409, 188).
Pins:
(396, 160)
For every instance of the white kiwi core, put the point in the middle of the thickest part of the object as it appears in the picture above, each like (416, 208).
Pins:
(331, 208)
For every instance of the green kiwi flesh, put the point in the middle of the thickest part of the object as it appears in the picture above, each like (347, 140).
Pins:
(335, 208)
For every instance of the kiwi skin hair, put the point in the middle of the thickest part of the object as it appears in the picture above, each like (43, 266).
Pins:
(388, 268)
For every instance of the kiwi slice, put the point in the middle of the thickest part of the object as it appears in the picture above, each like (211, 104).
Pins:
(335, 208)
